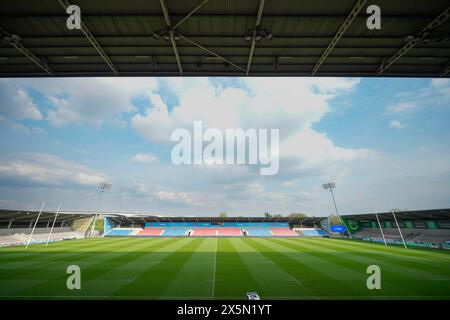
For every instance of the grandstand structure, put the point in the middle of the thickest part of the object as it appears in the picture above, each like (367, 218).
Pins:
(224, 38)
(424, 228)
(17, 225)
(151, 226)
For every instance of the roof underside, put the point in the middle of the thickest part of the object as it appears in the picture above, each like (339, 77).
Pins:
(302, 31)
(143, 218)
(27, 216)
(419, 215)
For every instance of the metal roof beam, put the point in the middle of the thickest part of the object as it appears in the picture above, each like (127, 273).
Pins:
(352, 15)
(411, 44)
(205, 15)
(27, 53)
(445, 71)
(92, 40)
(212, 53)
(257, 24)
(190, 14)
(171, 34)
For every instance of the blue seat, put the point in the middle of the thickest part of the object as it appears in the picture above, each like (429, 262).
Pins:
(176, 232)
(259, 232)
(314, 233)
(119, 232)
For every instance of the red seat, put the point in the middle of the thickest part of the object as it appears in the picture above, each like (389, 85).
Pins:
(204, 232)
(283, 232)
(229, 232)
(151, 232)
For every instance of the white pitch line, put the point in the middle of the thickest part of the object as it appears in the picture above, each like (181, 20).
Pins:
(214, 274)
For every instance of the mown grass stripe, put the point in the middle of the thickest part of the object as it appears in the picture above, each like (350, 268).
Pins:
(396, 279)
(319, 276)
(430, 268)
(154, 279)
(272, 278)
(233, 278)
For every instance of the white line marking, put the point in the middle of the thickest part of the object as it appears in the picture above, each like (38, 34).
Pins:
(214, 274)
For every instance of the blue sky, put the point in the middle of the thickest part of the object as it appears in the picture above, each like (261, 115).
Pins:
(385, 142)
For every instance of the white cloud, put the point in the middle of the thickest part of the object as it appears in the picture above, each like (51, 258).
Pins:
(19, 127)
(396, 124)
(45, 169)
(176, 198)
(16, 103)
(76, 100)
(144, 158)
(402, 107)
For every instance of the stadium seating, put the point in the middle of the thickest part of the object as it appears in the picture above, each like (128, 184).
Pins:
(119, 232)
(151, 232)
(283, 232)
(229, 232)
(259, 232)
(40, 237)
(202, 232)
(439, 236)
(313, 233)
(175, 232)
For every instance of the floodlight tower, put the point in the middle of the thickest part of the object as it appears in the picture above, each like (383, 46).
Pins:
(103, 186)
(330, 186)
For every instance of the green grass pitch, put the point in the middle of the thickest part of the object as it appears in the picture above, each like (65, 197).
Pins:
(222, 268)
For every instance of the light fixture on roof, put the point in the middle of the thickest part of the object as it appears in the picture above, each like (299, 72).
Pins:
(165, 34)
(259, 34)
(7, 37)
(426, 37)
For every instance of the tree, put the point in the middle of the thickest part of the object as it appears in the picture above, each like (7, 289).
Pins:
(334, 220)
(267, 215)
(222, 215)
(277, 215)
(297, 215)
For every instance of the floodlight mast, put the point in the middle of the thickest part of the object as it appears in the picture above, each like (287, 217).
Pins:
(330, 186)
(103, 186)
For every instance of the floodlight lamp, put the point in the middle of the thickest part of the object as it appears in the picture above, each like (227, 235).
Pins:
(105, 186)
(329, 185)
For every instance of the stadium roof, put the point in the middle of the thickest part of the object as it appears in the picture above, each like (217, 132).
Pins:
(434, 214)
(28, 215)
(208, 37)
(151, 218)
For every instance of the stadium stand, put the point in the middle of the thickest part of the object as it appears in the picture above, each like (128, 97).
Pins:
(206, 228)
(283, 232)
(312, 232)
(425, 228)
(412, 235)
(22, 238)
(258, 232)
(150, 232)
(175, 232)
(204, 232)
(229, 232)
(119, 232)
